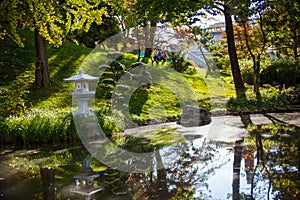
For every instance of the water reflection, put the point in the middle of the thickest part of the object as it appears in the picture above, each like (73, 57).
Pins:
(263, 166)
(47, 176)
(276, 173)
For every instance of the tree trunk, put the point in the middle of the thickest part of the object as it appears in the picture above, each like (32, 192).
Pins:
(139, 54)
(256, 78)
(295, 46)
(238, 150)
(161, 179)
(42, 78)
(237, 78)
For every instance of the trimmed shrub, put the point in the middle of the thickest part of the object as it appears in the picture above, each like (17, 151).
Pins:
(179, 64)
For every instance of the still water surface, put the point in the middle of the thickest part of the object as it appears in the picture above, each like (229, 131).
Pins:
(263, 166)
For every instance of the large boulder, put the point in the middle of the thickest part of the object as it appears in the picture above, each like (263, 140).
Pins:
(194, 116)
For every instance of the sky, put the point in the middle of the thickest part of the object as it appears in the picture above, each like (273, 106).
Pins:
(210, 20)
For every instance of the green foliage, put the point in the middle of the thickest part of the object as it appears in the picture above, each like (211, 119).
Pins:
(219, 55)
(180, 64)
(53, 19)
(50, 21)
(247, 71)
(16, 75)
(275, 95)
(282, 20)
(234, 104)
(109, 124)
(97, 33)
(186, 194)
(12, 96)
(271, 97)
(40, 126)
(222, 62)
(167, 11)
(109, 78)
(283, 72)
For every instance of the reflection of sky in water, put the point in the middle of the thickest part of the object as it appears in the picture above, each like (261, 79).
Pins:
(220, 183)
(214, 170)
(206, 167)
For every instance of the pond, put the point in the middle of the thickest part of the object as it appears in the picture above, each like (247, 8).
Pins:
(263, 165)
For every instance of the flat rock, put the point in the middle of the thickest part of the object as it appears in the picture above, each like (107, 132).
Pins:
(260, 119)
(289, 118)
(231, 120)
(226, 129)
(221, 129)
(141, 129)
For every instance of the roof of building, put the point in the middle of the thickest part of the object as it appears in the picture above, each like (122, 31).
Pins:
(81, 77)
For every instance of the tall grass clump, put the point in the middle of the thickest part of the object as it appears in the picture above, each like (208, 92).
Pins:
(272, 97)
(39, 126)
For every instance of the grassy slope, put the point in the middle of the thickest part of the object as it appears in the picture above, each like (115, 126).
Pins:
(51, 119)
(163, 100)
(65, 62)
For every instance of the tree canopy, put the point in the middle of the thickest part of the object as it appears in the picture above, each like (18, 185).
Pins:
(51, 21)
(54, 19)
(283, 26)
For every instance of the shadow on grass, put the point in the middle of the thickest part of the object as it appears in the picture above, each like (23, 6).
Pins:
(63, 63)
(16, 60)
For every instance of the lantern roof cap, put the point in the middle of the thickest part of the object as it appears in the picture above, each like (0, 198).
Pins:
(81, 77)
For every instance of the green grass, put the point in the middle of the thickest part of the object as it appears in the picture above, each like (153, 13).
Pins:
(171, 90)
(17, 72)
(44, 113)
(65, 62)
(162, 99)
(147, 141)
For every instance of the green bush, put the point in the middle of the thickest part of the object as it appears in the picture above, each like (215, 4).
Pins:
(109, 124)
(12, 95)
(283, 72)
(274, 96)
(179, 64)
(44, 126)
(271, 97)
(246, 67)
(109, 78)
(222, 62)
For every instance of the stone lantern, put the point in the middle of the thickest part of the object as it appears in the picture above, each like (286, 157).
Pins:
(81, 93)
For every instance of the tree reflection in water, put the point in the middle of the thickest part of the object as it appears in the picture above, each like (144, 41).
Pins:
(263, 166)
(271, 156)
(187, 168)
(277, 161)
(269, 159)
